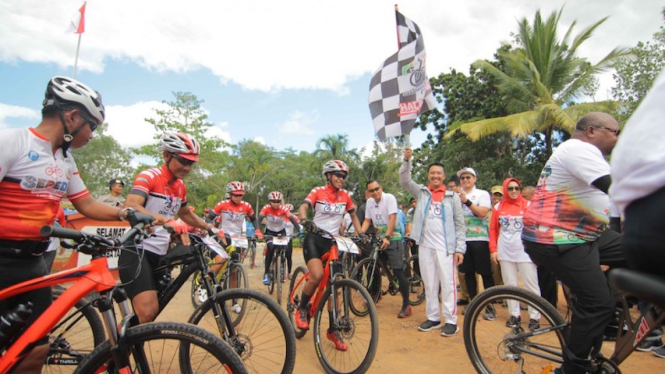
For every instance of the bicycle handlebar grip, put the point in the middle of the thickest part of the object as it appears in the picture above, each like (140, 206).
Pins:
(61, 232)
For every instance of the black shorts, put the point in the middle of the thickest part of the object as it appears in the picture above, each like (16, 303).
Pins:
(315, 246)
(395, 253)
(643, 239)
(139, 276)
(16, 270)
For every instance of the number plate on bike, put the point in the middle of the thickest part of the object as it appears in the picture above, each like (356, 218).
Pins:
(280, 241)
(345, 244)
(215, 247)
(239, 242)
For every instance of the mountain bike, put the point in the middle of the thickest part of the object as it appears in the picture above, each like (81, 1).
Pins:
(342, 303)
(135, 344)
(505, 346)
(277, 271)
(369, 271)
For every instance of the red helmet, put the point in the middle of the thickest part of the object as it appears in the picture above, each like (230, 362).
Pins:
(289, 207)
(333, 166)
(235, 187)
(275, 195)
(181, 144)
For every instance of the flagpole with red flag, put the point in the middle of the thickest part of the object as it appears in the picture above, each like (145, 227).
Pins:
(77, 26)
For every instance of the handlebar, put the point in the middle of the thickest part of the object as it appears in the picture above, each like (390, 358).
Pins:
(96, 241)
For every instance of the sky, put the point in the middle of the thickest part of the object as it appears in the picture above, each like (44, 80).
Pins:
(284, 73)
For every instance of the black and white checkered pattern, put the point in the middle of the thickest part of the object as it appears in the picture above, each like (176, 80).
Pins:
(399, 90)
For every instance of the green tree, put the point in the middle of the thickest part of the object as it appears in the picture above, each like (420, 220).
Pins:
(541, 78)
(635, 75)
(101, 160)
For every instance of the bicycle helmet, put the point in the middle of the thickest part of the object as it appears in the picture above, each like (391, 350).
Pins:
(333, 166)
(289, 207)
(64, 90)
(275, 195)
(235, 188)
(181, 144)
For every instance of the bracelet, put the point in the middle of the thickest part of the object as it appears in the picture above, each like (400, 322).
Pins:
(468, 203)
(122, 214)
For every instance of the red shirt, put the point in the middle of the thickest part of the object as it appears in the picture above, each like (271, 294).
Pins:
(329, 207)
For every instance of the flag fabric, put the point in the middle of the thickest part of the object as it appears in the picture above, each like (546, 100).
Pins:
(77, 23)
(399, 90)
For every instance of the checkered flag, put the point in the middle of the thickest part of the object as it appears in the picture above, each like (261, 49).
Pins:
(399, 90)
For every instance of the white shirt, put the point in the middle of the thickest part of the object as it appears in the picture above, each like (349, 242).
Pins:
(379, 212)
(476, 227)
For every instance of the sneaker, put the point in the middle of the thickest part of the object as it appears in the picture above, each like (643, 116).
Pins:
(290, 276)
(405, 312)
(534, 324)
(490, 313)
(253, 265)
(429, 325)
(336, 338)
(660, 351)
(266, 279)
(514, 321)
(449, 329)
(301, 319)
(236, 308)
(462, 302)
(650, 344)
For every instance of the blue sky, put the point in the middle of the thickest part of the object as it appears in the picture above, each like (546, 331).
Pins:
(285, 73)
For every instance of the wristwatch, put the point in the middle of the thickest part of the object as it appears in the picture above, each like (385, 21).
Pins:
(388, 237)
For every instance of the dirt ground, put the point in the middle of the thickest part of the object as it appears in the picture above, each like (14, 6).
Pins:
(402, 348)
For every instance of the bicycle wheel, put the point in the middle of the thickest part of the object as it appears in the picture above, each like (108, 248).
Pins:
(416, 285)
(278, 278)
(272, 276)
(74, 337)
(360, 333)
(263, 335)
(526, 343)
(167, 347)
(367, 273)
(235, 272)
(295, 291)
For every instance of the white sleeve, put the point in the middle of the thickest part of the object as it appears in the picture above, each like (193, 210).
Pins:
(586, 163)
(391, 203)
(9, 151)
(484, 199)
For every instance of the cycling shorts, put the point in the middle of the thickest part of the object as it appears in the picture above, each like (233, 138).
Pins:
(136, 271)
(315, 246)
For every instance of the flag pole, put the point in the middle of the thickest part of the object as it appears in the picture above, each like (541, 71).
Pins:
(78, 46)
(407, 137)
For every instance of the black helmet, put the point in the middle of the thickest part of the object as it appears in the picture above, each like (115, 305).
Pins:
(116, 181)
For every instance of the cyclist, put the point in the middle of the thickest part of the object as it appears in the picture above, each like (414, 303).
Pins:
(160, 192)
(275, 214)
(232, 213)
(36, 172)
(381, 211)
(329, 203)
(289, 227)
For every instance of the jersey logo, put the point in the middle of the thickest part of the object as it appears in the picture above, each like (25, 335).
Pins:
(33, 155)
(54, 171)
(332, 208)
(38, 185)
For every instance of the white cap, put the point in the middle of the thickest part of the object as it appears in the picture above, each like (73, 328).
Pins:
(466, 170)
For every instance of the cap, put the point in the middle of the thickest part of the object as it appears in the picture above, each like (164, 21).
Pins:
(465, 171)
(496, 189)
(116, 181)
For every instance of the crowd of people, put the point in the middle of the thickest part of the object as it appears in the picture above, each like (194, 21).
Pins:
(558, 229)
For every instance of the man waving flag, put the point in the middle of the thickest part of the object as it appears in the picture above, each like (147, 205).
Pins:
(399, 90)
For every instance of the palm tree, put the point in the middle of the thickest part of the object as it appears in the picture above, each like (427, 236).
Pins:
(539, 80)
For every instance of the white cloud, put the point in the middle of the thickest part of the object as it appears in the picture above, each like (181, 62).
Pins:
(299, 123)
(127, 123)
(217, 130)
(260, 140)
(272, 45)
(13, 111)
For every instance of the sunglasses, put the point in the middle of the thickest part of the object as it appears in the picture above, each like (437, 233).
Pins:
(616, 132)
(93, 124)
(514, 188)
(374, 189)
(183, 161)
(236, 195)
(465, 177)
(275, 201)
(339, 174)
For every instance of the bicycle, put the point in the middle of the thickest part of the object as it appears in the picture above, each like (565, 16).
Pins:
(369, 270)
(496, 347)
(349, 305)
(250, 322)
(277, 271)
(193, 344)
(231, 275)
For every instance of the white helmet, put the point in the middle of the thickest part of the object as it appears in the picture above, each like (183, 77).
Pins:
(289, 207)
(63, 90)
(333, 166)
(181, 144)
(235, 187)
(275, 195)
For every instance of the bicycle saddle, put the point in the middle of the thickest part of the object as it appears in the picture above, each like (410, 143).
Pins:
(645, 286)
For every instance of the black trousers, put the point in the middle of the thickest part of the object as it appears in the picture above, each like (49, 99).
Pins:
(593, 305)
(644, 233)
(477, 260)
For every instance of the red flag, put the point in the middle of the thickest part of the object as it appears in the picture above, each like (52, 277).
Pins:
(77, 23)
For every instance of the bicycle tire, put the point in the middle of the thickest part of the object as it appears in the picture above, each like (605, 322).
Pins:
(504, 356)
(360, 333)
(169, 344)
(278, 279)
(415, 281)
(294, 299)
(264, 338)
(74, 337)
(368, 275)
(272, 276)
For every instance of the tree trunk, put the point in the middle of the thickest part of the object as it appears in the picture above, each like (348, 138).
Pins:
(548, 142)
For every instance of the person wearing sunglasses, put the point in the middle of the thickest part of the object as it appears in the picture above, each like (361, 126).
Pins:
(506, 247)
(329, 203)
(37, 171)
(566, 230)
(438, 229)
(275, 214)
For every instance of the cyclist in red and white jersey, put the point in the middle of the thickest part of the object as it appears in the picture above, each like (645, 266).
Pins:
(36, 172)
(329, 202)
(233, 212)
(275, 215)
(160, 192)
(289, 227)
